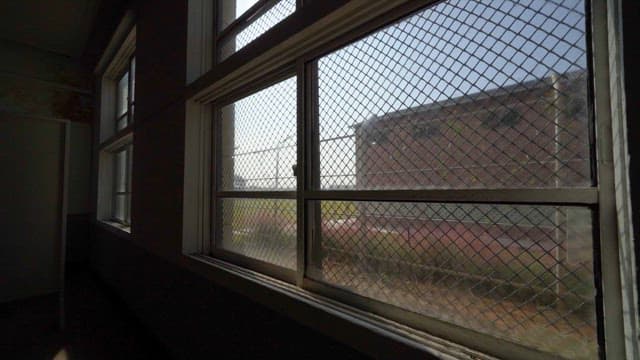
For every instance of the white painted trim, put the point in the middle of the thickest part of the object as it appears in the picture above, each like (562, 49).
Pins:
(199, 38)
(196, 195)
(621, 183)
(115, 43)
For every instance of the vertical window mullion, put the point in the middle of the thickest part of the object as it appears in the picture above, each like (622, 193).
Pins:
(312, 169)
(301, 171)
(216, 165)
(129, 92)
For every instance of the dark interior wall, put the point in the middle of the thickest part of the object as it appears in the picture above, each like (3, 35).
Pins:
(188, 313)
(631, 56)
(38, 86)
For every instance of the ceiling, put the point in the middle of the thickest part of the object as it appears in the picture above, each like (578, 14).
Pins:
(60, 26)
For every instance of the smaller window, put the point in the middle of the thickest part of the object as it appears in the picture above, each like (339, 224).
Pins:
(125, 96)
(425, 131)
(121, 211)
(115, 151)
(243, 21)
(502, 118)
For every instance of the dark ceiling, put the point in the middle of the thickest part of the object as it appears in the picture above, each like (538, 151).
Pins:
(59, 26)
(77, 29)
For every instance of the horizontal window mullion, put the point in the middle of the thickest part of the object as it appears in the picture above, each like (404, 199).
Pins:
(278, 272)
(246, 19)
(563, 196)
(449, 331)
(257, 194)
(117, 141)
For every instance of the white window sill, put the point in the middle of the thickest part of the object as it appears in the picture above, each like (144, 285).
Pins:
(116, 228)
(369, 333)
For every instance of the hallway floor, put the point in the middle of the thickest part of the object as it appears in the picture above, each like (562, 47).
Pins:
(97, 326)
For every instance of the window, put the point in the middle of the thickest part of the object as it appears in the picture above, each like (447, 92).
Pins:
(125, 100)
(122, 185)
(243, 21)
(437, 167)
(116, 137)
(257, 154)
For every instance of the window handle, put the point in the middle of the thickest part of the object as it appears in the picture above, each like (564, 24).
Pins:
(294, 167)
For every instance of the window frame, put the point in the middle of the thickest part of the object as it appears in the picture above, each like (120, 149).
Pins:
(240, 23)
(598, 198)
(128, 153)
(128, 115)
(117, 62)
(217, 195)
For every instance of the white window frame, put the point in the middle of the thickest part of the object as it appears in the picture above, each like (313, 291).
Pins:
(356, 17)
(116, 61)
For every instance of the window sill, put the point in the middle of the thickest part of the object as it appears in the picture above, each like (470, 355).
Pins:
(366, 332)
(115, 228)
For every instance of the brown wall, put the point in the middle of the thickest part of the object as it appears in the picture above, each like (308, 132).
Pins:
(191, 315)
(466, 147)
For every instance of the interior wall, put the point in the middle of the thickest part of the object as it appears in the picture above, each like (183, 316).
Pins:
(38, 88)
(192, 316)
(30, 212)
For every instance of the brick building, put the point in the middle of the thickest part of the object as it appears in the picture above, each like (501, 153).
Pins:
(532, 134)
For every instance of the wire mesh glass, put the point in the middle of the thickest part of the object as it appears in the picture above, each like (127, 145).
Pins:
(122, 95)
(121, 170)
(464, 94)
(258, 140)
(230, 10)
(280, 11)
(262, 229)
(518, 272)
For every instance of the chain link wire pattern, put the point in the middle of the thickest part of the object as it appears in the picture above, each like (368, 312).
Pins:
(261, 229)
(464, 94)
(259, 140)
(518, 272)
(259, 26)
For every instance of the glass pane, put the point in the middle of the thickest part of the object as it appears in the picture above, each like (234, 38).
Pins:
(122, 95)
(233, 9)
(120, 205)
(518, 272)
(128, 208)
(121, 171)
(464, 94)
(262, 229)
(121, 123)
(280, 11)
(258, 140)
(133, 79)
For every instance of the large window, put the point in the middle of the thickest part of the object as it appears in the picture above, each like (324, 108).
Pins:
(437, 168)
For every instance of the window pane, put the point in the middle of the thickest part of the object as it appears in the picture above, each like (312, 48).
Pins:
(121, 170)
(519, 272)
(233, 9)
(122, 94)
(121, 123)
(258, 140)
(280, 11)
(262, 229)
(120, 206)
(465, 94)
(133, 79)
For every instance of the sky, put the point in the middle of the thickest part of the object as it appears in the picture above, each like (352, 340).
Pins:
(452, 49)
